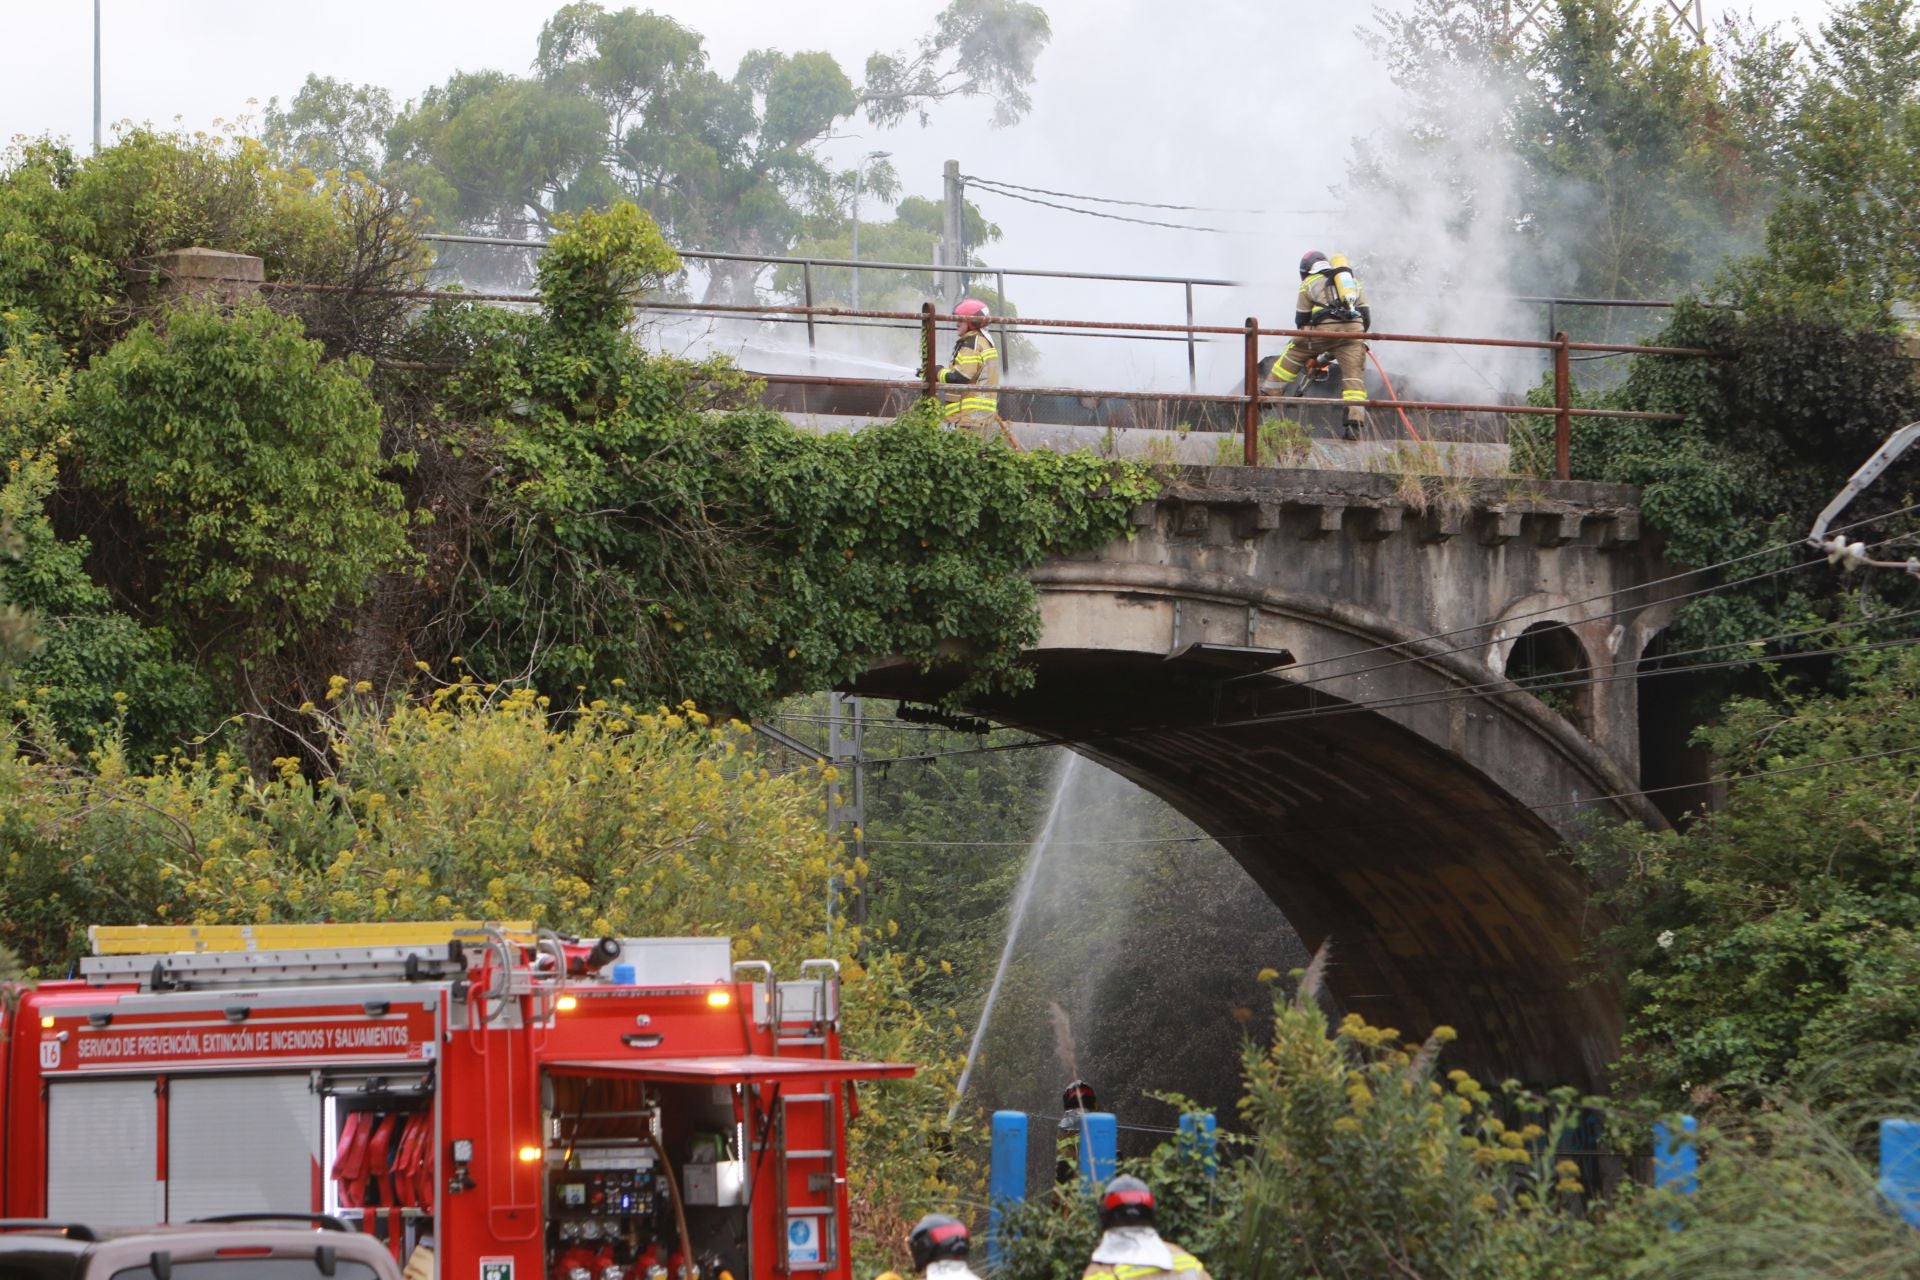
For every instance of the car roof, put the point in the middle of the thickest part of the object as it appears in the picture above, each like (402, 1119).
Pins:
(196, 1238)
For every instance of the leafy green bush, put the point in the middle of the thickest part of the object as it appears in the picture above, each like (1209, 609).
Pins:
(251, 469)
(1774, 942)
(1357, 1159)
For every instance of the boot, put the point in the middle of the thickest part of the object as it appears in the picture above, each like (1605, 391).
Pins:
(1351, 431)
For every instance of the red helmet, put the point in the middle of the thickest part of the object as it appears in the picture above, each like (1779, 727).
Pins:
(1127, 1202)
(937, 1238)
(1307, 261)
(972, 311)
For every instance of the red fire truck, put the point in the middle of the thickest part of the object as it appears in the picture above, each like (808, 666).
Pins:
(493, 1102)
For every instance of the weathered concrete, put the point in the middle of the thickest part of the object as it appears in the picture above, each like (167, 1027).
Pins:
(197, 275)
(1419, 835)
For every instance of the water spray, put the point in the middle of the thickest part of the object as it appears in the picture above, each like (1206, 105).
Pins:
(1021, 898)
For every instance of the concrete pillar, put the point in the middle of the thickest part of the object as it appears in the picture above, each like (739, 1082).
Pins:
(198, 275)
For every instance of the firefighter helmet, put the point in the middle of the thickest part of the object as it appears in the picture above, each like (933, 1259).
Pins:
(937, 1238)
(972, 312)
(1309, 260)
(1127, 1202)
(1078, 1096)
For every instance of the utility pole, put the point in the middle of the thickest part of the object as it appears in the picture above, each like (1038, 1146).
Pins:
(96, 77)
(953, 249)
(847, 794)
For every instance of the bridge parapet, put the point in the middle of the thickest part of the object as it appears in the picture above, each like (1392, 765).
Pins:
(1316, 504)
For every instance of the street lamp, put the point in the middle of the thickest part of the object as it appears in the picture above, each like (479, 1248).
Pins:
(96, 77)
(859, 172)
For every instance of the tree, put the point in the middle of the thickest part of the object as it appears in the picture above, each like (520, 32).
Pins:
(624, 104)
(331, 125)
(1604, 157)
(1846, 237)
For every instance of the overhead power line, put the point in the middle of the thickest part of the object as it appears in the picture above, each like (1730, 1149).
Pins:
(1093, 213)
(1601, 595)
(1135, 204)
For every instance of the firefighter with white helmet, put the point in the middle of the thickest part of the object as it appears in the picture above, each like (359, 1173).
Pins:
(970, 381)
(1130, 1246)
(1330, 302)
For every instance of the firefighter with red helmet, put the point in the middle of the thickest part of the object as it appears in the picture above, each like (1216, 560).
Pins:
(970, 381)
(1331, 302)
(1130, 1247)
(939, 1246)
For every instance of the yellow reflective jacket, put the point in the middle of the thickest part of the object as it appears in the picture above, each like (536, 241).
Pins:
(1185, 1265)
(969, 385)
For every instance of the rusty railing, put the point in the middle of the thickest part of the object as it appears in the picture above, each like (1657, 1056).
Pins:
(1250, 398)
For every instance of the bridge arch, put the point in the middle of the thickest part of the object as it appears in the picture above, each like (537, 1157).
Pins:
(1387, 789)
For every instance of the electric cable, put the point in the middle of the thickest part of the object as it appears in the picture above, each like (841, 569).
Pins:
(1546, 684)
(1140, 204)
(1602, 595)
(1094, 213)
(1435, 698)
(1496, 810)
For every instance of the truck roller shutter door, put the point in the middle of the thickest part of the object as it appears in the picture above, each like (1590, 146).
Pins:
(241, 1144)
(103, 1140)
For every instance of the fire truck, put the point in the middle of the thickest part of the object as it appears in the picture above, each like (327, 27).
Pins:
(492, 1102)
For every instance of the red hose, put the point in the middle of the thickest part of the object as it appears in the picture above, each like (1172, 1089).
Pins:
(1395, 395)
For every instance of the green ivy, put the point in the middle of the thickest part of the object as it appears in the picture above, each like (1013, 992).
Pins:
(642, 524)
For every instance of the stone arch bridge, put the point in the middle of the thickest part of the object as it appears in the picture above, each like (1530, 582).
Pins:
(1328, 672)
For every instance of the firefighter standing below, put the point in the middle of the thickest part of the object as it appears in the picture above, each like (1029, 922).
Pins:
(1075, 1101)
(939, 1246)
(1331, 302)
(1130, 1248)
(973, 403)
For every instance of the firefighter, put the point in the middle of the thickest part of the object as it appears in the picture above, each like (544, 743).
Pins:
(1130, 1248)
(974, 373)
(1075, 1101)
(939, 1246)
(1332, 302)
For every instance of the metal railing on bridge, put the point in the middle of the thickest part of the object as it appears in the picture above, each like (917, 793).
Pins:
(1249, 401)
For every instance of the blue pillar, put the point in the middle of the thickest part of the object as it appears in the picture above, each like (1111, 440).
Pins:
(1900, 1167)
(1099, 1147)
(1007, 1178)
(1676, 1164)
(1200, 1141)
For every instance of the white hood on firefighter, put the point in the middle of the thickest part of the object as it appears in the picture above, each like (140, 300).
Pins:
(950, 1270)
(1141, 1246)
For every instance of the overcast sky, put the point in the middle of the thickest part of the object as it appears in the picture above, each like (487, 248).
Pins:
(1196, 103)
